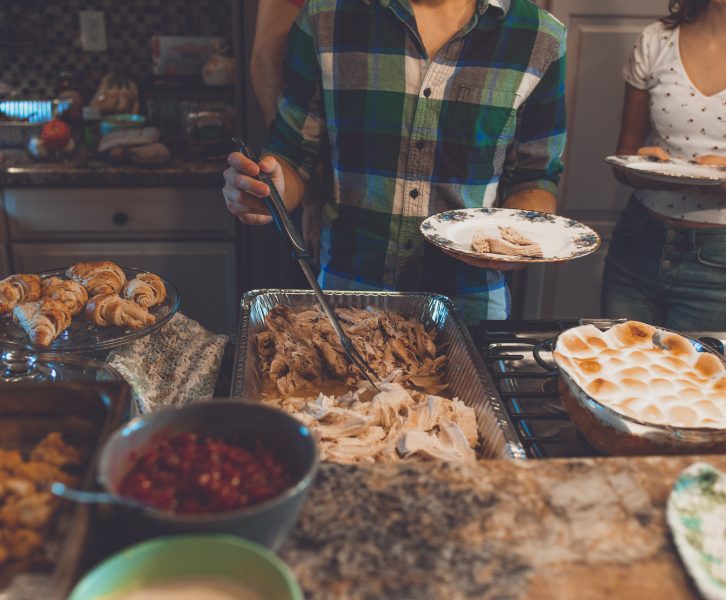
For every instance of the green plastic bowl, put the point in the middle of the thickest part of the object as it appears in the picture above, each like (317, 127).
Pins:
(189, 556)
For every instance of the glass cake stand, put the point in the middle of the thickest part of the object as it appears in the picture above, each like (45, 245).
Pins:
(21, 360)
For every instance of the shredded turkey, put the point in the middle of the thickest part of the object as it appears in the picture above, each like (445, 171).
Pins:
(511, 243)
(299, 352)
(393, 424)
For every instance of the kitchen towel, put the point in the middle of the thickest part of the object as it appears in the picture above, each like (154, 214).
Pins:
(177, 364)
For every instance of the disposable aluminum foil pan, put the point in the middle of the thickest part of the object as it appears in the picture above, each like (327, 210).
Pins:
(466, 375)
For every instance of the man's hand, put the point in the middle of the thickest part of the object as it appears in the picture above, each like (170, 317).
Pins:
(485, 263)
(538, 200)
(242, 193)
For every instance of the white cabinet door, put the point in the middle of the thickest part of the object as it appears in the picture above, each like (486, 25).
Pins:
(203, 272)
(600, 37)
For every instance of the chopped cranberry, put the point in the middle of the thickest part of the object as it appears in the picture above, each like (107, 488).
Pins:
(191, 473)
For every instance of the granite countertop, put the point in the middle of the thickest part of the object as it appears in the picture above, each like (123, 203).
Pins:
(82, 172)
(545, 529)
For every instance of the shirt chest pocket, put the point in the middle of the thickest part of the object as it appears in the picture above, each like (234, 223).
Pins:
(475, 122)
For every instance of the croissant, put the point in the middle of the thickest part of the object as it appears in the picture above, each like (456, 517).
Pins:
(18, 289)
(146, 289)
(43, 320)
(102, 277)
(111, 309)
(71, 293)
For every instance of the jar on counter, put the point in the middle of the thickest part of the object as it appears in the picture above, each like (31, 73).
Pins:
(91, 126)
(69, 88)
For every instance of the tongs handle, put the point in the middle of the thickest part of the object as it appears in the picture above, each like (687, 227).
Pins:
(276, 206)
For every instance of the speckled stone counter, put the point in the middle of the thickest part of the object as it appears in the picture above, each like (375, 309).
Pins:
(80, 173)
(553, 529)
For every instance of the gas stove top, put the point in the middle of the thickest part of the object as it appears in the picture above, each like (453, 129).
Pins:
(518, 357)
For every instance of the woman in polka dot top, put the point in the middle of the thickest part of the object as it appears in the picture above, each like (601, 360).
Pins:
(667, 260)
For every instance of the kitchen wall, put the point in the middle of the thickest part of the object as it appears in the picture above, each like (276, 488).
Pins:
(40, 38)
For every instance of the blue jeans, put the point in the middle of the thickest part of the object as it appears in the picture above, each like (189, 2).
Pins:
(663, 275)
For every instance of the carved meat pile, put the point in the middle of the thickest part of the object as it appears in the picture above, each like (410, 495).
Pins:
(511, 243)
(299, 351)
(391, 425)
(302, 360)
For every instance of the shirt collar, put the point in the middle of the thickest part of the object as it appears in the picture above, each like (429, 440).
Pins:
(482, 5)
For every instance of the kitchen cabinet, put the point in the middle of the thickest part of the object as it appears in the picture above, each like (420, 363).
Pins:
(600, 38)
(183, 234)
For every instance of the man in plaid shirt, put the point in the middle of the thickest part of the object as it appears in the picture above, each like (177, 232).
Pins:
(422, 106)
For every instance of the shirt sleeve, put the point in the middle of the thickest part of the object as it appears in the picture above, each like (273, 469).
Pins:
(638, 66)
(534, 158)
(296, 133)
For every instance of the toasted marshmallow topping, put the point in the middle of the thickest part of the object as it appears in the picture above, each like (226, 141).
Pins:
(647, 374)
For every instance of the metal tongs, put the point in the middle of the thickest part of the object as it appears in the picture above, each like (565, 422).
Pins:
(285, 227)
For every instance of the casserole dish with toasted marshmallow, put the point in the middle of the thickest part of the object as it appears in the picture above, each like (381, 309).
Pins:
(637, 389)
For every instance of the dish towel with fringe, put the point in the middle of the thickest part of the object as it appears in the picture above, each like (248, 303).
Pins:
(177, 364)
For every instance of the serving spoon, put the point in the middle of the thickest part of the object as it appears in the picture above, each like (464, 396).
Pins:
(85, 497)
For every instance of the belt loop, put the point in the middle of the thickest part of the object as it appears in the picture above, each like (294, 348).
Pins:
(692, 239)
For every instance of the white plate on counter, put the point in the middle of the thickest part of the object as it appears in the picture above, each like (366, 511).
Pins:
(560, 238)
(674, 170)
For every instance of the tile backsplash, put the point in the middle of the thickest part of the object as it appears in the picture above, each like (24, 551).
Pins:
(50, 40)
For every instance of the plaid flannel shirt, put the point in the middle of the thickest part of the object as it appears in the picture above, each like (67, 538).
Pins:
(409, 136)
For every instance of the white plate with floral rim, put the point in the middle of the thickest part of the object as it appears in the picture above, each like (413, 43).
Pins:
(560, 238)
(674, 170)
(696, 514)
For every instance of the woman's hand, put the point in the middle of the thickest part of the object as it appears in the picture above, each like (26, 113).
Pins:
(485, 263)
(243, 193)
(654, 152)
(711, 160)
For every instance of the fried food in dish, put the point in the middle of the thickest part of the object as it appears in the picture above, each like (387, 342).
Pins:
(54, 451)
(28, 512)
(103, 277)
(69, 292)
(43, 320)
(647, 374)
(18, 289)
(146, 289)
(299, 351)
(511, 243)
(111, 309)
(393, 424)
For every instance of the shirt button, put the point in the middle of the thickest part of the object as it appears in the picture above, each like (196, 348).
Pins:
(408, 245)
(670, 235)
(666, 264)
(420, 145)
(413, 193)
(427, 92)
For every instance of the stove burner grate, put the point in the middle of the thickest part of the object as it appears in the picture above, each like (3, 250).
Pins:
(516, 354)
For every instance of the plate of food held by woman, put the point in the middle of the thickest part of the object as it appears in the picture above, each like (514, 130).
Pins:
(483, 236)
(670, 170)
